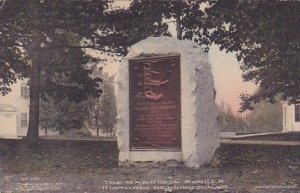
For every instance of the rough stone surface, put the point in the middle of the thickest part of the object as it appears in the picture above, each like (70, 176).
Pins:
(199, 130)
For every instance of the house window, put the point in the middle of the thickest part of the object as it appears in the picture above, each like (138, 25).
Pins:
(23, 119)
(297, 113)
(24, 91)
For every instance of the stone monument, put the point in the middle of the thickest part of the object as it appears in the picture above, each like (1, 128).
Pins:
(165, 104)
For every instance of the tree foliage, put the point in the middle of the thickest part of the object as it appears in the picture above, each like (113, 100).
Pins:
(265, 118)
(265, 35)
(31, 41)
(67, 72)
(145, 18)
(102, 112)
(127, 27)
(109, 105)
(228, 121)
(63, 115)
(37, 36)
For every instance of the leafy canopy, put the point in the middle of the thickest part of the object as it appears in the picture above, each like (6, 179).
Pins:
(44, 37)
(33, 30)
(265, 35)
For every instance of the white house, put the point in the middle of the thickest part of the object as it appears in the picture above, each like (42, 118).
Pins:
(14, 111)
(291, 117)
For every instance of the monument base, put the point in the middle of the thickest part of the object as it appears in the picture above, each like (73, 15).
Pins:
(155, 156)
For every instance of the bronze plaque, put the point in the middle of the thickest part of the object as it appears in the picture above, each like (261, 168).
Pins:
(154, 102)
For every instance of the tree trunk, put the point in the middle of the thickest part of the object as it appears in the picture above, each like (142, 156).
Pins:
(97, 127)
(178, 27)
(33, 126)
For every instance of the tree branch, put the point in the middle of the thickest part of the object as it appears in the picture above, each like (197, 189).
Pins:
(173, 21)
(2, 4)
(70, 46)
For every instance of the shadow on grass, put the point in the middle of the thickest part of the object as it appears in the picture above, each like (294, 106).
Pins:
(18, 156)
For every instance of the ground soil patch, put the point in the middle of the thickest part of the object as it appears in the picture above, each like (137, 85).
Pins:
(87, 166)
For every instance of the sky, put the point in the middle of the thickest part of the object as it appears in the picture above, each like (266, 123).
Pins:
(227, 78)
(225, 68)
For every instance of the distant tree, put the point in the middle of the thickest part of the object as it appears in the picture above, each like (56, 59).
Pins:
(101, 112)
(65, 82)
(94, 114)
(62, 116)
(109, 105)
(228, 121)
(265, 117)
